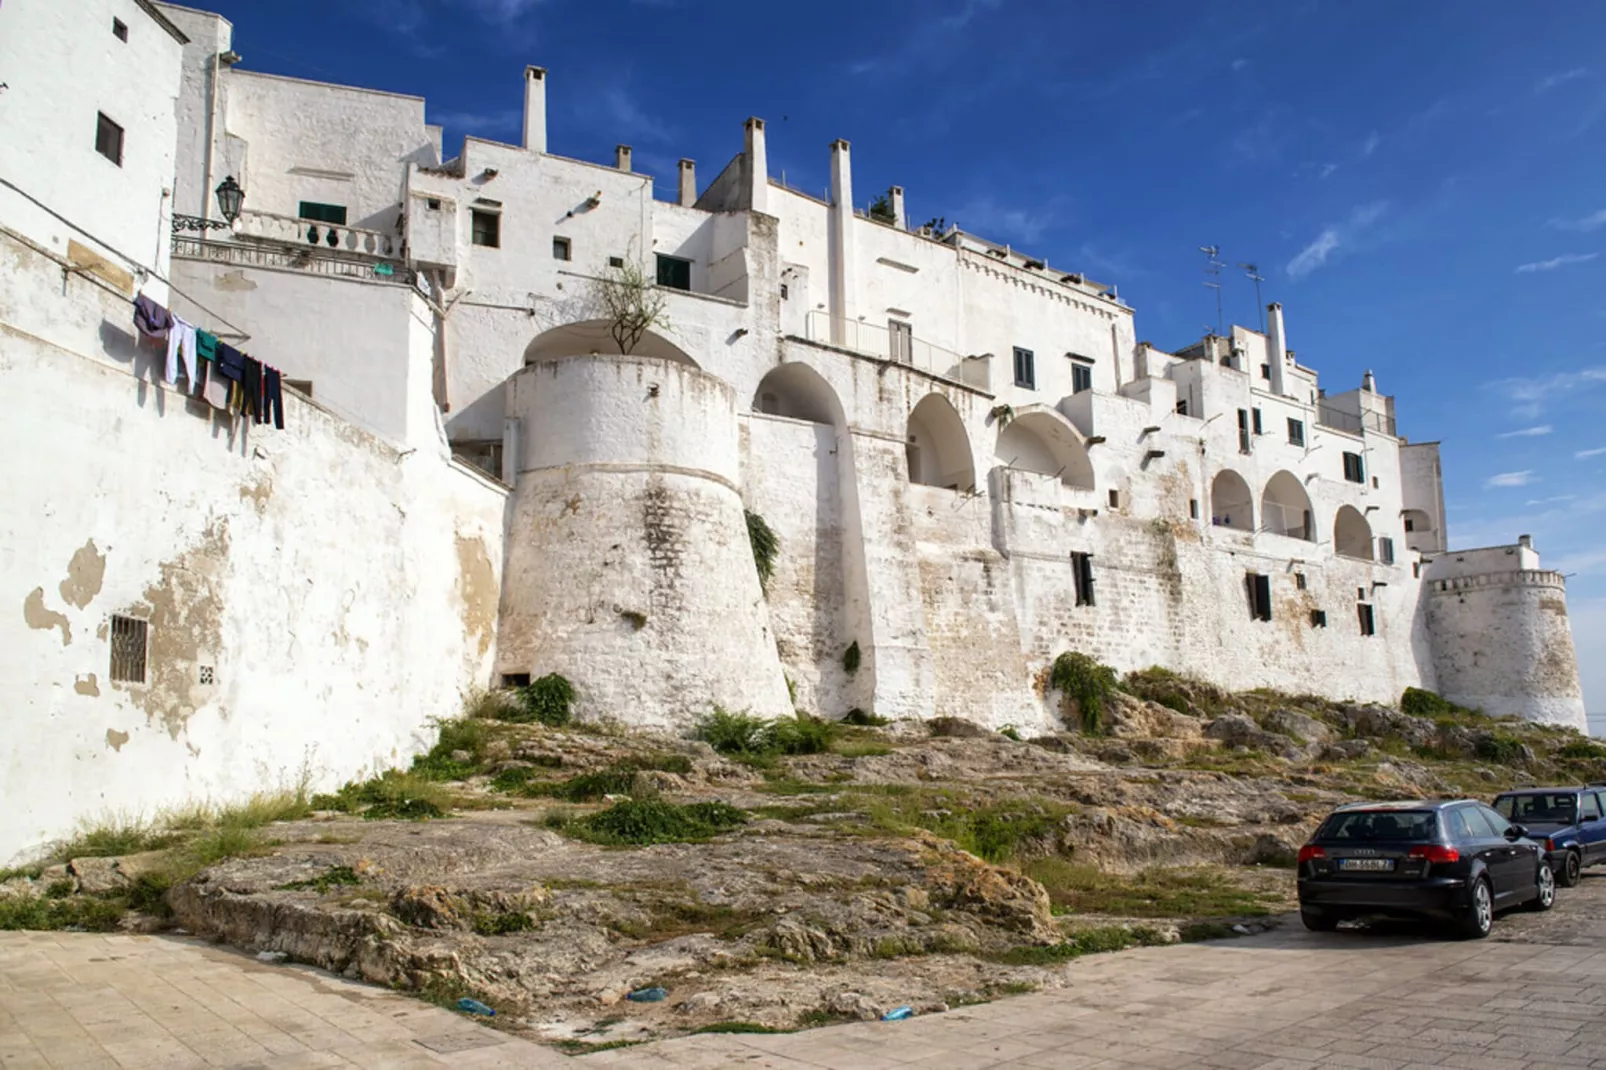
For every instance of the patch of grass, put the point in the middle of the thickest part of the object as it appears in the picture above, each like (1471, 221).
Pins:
(645, 821)
(1088, 683)
(85, 913)
(739, 1027)
(500, 705)
(334, 877)
(1086, 942)
(115, 837)
(862, 749)
(1498, 747)
(1583, 749)
(572, 1046)
(1194, 932)
(621, 778)
(996, 831)
(391, 794)
(820, 1016)
(465, 735)
(1159, 892)
(486, 923)
(785, 785)
(1014, 988)
(755, 739)
(226, 841)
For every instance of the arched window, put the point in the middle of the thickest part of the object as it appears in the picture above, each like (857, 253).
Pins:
(1285, 508)
(798, 391)
(1043, 441)
(1352, 535)
(938, 448)
(1232, 504)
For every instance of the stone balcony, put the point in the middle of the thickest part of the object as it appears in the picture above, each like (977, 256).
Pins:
(355, 241)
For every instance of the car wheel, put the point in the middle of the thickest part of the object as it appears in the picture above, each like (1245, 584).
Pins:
(1547, 889)
(1319, 923)
(1476, 921)
(1571, 870)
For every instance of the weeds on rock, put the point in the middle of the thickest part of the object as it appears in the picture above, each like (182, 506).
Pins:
(766, 547)
(637, 822)
(391, 794)
(739, 1027)
(85, 913)
(334, 877)
(1087, 942)
(499, 705)
(548, 701)
(500, 924)
(1086, 682)
(467, 735)
(1160, 892)
(755, 739)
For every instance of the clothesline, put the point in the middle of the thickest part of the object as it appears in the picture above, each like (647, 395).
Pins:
(213, 370)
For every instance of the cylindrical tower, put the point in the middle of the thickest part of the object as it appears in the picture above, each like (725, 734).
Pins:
(629, 567)
(1502, 643)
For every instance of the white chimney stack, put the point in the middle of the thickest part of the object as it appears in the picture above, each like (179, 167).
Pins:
(688, 183)
(899, 220)
(535, 109)
(1276, 347)
(755, 157)
(621, 158)
(843, 262)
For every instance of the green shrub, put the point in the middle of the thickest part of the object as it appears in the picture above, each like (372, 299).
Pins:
(79, 912)
(860, 719)
(1494, 747)
(766, 547)
(1582, 748)
(734, 735)
(1419, 703)
(1086, 682)
(549, 700)
(491, 924)
(1009, 731)
(391, 794)
(644, 821)
(801, 735)
(466, 734)
(850, 658)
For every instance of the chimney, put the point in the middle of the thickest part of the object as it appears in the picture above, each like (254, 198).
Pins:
(1525, 541)
(843, 262)
(1276, 347)
(688, 183)
(535, 109)
(1369, 382)
(756, 165)
(621, 158)
(899, 220)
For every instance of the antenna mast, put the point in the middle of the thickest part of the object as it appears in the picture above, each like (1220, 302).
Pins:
(1213, 266)
(1257, 278)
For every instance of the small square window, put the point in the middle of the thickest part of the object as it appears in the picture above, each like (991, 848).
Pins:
(515, 679)
(1115, 499)
(1025, 368)
(1410, 525)
(616, 261)
(120, 29)
(1296, 432)
(432, 203)
(784, 292)
(1354, 469)
(1375, 483)
(674, 273)
(561, 249)
(1385, 550)
(1193, 508)
(1081, 377)
(1299, 581)
(1182, 407)
(1360, 594)
(1265, 371)
(487, 228)
(1367, 620)
(109, 139)
(206, 675)
(1318, 618)
(129, 641)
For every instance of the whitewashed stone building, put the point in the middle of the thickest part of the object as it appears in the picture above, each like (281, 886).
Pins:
(971, 459)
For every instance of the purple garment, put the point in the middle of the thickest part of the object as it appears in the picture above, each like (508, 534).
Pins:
(152, 320)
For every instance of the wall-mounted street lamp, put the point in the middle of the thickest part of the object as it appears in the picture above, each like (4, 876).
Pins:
(230, 199)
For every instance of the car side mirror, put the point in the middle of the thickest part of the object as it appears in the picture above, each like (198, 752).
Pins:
(1516, 832)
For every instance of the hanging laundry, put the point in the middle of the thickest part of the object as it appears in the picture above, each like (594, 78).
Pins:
(272, 396)
(216, 390)
(152, 320)
(252, 385)
(205, 344)
(180, 343)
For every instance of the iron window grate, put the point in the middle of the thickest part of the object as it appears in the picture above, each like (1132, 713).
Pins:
(129, 640)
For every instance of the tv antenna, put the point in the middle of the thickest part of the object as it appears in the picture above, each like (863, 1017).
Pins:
(1213, 266)
(1257, 278)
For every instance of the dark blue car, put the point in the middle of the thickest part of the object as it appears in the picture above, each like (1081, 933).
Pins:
(1568, 821)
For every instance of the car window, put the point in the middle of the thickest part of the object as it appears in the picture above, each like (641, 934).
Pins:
(1590, 807)
(1386, 825)
(1550, 806)
(1458, 826)
(1482, 828)
(1496, 822)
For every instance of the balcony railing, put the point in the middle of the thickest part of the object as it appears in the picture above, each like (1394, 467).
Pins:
(265, 226)
(901, 347)
(1355, 423)
(312, 260)
(1289, 520)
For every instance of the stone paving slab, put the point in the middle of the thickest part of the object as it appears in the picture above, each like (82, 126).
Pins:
(1286, 1000)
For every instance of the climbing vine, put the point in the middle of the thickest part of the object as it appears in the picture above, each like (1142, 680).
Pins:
(1086, 682)
(766, 545)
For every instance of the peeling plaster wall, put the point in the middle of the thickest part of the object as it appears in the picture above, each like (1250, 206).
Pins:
(341, 591)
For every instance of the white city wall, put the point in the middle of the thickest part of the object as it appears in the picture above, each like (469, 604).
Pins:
(341, 591)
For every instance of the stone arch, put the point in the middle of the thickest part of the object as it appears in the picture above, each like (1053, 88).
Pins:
(1039, 439)
(586, 337)
(937, 447)
(1352, 535)
(798, 391)
(1232, 503)
(1285, 508)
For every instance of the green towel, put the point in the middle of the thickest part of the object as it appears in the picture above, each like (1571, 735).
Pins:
(205, 345)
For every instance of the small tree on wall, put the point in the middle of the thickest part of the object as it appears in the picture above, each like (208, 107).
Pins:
(631, 304)
(881, 208)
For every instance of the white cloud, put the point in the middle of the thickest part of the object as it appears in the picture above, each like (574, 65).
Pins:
(1551, 500)
(1592, 221)
(1372, 142)
(1527, 432)
(1584, 455)
(1551, 81)
(503, 11)
(1327, 169)
(1530, 395)
(986, 218)
(1555, 262)
(1239, 64)
(1511, 479)
(478, 121)
(1316, 253)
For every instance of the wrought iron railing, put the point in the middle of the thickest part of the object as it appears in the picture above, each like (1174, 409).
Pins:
(1329, 415)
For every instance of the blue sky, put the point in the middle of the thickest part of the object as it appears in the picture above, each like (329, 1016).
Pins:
(1422, 185)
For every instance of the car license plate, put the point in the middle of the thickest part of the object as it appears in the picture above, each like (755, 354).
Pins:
(1367, 865)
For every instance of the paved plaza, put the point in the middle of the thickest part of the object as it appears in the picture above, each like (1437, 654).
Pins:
(1534, 996)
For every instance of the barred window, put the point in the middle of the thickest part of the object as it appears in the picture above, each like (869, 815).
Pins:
(129, 637)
